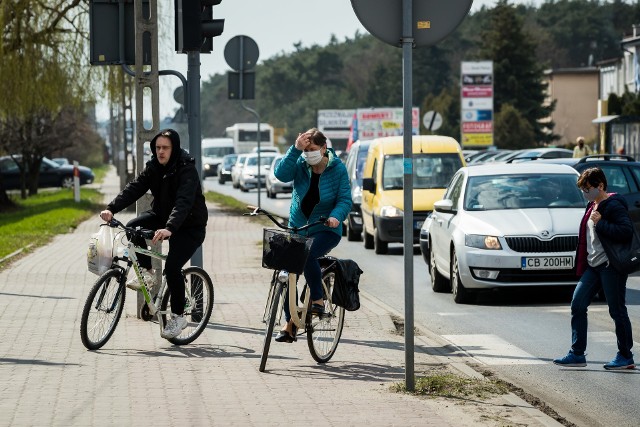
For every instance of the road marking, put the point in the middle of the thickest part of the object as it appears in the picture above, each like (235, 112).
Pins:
(493, 350)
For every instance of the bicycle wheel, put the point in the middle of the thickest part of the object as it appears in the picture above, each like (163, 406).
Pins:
(102, 310)
(277, 300)
(198, 289)
(323, 332)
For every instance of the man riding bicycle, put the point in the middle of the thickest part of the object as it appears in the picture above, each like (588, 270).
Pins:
(178, 210)
(320, 189)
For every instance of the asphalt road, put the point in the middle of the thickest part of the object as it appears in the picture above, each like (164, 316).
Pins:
(515, 333)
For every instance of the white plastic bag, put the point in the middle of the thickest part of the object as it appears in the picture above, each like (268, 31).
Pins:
(100, 253)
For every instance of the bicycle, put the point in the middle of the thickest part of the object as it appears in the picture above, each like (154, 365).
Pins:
(105, 302)
(286, 252)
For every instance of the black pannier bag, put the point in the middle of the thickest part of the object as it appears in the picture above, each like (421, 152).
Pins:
(345, 290)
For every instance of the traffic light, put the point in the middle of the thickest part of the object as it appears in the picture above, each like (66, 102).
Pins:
(195, 26)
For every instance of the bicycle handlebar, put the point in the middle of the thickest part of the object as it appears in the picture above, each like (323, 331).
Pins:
(259, 211)
(142, 232)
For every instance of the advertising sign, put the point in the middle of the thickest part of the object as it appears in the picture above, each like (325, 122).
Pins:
(335, 124)
(379, 122)
(476, 101)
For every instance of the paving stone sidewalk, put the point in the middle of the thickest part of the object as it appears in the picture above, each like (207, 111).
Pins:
(48, 378)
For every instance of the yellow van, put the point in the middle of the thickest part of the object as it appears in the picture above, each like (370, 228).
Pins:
(435, 160)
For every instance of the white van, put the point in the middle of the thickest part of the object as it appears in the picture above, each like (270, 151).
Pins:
(213, 150)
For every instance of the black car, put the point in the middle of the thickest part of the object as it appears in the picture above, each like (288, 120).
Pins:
(51, 174)
(622, 172)
(224, 171)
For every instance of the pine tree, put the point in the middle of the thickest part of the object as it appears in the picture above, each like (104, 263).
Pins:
(518, 77)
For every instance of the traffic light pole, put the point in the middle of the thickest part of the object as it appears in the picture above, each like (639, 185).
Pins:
(195, 132)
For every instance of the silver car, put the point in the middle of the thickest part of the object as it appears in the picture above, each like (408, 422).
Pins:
(504, 225)
(274, 185)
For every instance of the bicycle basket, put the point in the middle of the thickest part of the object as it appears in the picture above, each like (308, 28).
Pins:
(282, 250)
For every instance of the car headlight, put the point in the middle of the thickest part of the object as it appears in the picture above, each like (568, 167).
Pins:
(356, 195)
(390, 212)
(207, 166)
(482, 242)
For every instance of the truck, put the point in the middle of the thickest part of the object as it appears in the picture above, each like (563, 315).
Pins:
(245, 136)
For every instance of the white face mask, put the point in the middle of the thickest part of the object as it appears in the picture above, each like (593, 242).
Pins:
(592, 194)
(312, 157)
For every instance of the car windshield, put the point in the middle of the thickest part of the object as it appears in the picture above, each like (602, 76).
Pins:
(495, 192)
(362, 158)
(430, 170)
(264, 160)
(228, 161)
(217, 151)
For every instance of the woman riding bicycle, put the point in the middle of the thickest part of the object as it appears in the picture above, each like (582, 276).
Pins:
(320, 189)
(178, 211)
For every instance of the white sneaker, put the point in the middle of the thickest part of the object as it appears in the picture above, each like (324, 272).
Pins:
(174, 326)
(149, 277)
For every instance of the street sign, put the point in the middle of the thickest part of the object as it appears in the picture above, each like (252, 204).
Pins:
(432, 20)
(241, 53)
(432, 120)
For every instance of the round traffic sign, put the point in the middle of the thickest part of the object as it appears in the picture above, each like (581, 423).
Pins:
(432, 120)
(241, 53)
(431, 21)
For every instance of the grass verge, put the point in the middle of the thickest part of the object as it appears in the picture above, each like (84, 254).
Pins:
(447, 384)
(37, 219)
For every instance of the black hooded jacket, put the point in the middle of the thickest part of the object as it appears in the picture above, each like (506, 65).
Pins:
(177, 193)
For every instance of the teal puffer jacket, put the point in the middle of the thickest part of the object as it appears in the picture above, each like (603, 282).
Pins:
(335, 191)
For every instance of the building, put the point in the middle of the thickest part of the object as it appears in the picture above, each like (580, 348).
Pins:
(576, 92)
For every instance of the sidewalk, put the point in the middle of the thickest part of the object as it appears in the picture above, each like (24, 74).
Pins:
(47, 377)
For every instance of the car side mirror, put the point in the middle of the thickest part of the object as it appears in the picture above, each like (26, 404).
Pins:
(368, 185)
(444, 205)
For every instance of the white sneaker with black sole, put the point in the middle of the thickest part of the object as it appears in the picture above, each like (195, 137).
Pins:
(174, 326)
(149, 277)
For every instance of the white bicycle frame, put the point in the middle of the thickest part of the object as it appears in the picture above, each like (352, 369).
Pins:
(130, 253)
(298, 313)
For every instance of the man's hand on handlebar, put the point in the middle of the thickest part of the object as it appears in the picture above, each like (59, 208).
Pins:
(161, 235)
(106, 215)
(332, 222)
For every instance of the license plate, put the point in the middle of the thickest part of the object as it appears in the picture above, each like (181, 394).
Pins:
(547, 263)
(418, 224)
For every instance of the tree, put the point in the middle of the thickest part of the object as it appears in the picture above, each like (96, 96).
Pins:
(41, 75)
(518, 77)
(512, 130)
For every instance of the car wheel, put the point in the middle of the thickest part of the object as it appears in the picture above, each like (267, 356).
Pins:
(368, 239)
(352, 236)
(235, 185)
(461, 295)
(438, 281)
(243, 189)
(67, 182)
(221, 181)
(381, 247)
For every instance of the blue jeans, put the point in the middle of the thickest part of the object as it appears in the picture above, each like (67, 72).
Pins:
(614, 285)
(323, 242)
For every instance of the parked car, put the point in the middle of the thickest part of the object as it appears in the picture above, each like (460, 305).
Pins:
(487, 156)
(236, 170)
(51, 174)
(224, 171)
(61, 161)
(249, 174)
(274, 186)
(622, 172)
(504, 225)
(538, 153)
(355, 167)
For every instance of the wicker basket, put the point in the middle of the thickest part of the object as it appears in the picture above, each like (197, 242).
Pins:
(282, 250)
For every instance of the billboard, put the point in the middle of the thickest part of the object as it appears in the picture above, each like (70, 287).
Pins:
(476, 104)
